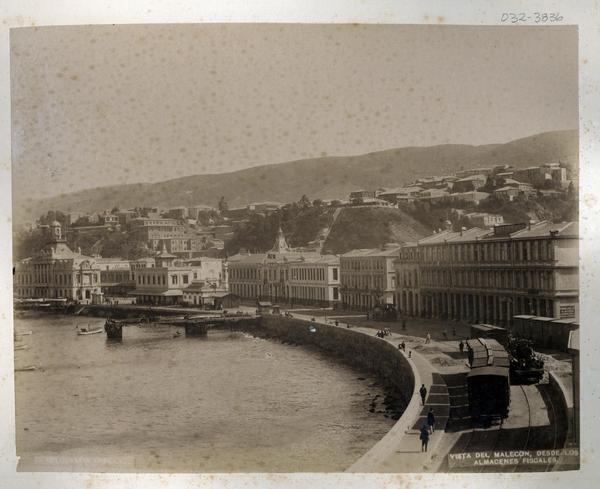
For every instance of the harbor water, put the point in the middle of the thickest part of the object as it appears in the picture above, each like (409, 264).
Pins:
(158, 401)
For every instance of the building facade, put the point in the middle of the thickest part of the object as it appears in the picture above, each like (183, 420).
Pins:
(154, 230)
(57, 272)
(286, 275)
(490, 276)
(368, 278)
(167, 282)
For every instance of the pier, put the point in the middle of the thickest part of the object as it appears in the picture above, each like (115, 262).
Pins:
(194, 326)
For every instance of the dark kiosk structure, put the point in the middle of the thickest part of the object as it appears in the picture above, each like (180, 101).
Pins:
(488, 381)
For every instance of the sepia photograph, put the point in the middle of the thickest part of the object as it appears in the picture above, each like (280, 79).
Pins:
(282, 248)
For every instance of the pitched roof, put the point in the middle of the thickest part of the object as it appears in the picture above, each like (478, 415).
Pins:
(373, 252)
(454, 236)
(545, 228)
(253, 258)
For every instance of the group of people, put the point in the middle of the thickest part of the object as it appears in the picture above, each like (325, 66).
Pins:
(382, 333)
(429, 427)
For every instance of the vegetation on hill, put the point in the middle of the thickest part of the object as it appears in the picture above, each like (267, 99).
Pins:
(300, 221)
(372, 227)
(103, 241)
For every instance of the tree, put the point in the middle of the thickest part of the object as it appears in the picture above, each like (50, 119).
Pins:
(223, 206)
(114, 210)
(304, 202)
(52, 216)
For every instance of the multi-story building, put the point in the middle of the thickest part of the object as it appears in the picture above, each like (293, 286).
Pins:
(245, 275)
(179, 212)
(470, 183)
(473, 196)
(57, 272)
(360, 196)
(117, 276)
(433, 195)
(482, 275)
(286, 275)
(401, 194)
(367, 277)
(167, 282)
(125, 217)
(536, 175)
(484, 220)
(152, 231)
(108, 219)
(195, 211)
(473, 171)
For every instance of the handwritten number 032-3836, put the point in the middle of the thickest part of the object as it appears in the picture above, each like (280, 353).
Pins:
(535, 17)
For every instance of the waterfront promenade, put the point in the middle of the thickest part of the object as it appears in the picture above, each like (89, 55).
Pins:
(533, 421)
(400, 449)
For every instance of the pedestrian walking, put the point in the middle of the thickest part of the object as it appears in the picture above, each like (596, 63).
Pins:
(454, 331)
(461, 347)
(409, 353)
(445, 334)
(404, 324)
(423, 392)
(424, 437)
(431, 420)
(403, 345)
(428, 338)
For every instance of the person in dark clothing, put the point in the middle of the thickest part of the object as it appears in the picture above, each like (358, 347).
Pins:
(431, 420)
(404, 324)
(461, 347)
(424, 437)
(423, 392)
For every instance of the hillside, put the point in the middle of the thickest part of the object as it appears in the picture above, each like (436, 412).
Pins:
(327, 177)
(372, 227)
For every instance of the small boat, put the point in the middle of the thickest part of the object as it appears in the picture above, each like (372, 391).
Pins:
(26, 369)
(24, 333)
(20, 347)
(84, 331)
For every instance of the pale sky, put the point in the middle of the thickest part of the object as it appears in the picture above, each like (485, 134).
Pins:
(102, 105)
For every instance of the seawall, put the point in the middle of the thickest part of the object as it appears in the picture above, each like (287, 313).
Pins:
(363, 351)
(353, 347)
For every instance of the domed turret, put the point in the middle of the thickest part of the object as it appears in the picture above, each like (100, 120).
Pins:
(55, 231)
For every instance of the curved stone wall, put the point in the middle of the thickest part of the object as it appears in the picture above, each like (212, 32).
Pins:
(354, 347)
(363, 351)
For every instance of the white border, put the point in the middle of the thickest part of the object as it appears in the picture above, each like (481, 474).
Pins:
(586, 14)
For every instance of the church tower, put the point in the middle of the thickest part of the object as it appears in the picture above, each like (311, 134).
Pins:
(280, 245)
